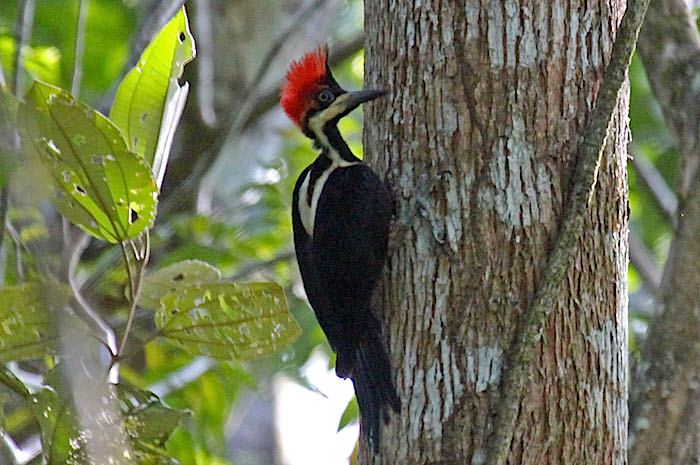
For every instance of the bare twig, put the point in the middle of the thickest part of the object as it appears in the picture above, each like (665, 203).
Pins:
(591, 147)
(652, 179)
(643, 261)
(79, 48)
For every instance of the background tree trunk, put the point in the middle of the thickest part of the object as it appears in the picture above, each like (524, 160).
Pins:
(478, 139)
(665, 399)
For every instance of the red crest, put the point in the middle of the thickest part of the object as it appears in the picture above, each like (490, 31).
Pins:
(302, 80)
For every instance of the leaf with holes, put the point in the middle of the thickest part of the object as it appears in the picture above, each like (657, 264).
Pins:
(227, 320)
(149, 101)
(103, 188)
(26, 330)
(171, 278)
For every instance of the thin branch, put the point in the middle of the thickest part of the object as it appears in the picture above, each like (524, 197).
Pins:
(79, 48)
(4, 207)
(23, 31)
(669, 45)
(135, 283)
(652, 179)
(205, 63)
(269, 99)
(248, 270)
(591, 146)
(644, 263)
(81, 307)
(297, 21)
(3, 81)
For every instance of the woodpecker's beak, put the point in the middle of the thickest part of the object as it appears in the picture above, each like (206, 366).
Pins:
(355, 99)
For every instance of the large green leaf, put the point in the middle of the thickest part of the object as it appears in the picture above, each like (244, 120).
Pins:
(149, 101)
(227, 320)
(105, 189)
(26, 330)
(176, 276)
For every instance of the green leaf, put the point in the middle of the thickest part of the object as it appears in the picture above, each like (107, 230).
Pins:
(147, 421)
(149, 101)
(26, 330)
(103, 188)
(350, 415)
(227, 320)
(174, 277)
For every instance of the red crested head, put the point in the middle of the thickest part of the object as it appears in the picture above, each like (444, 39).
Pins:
(304, 78)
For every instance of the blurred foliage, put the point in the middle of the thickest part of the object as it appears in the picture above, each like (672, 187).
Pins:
(245, 233)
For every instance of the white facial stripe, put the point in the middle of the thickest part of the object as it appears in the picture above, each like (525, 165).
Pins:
(317, 121)
(307, 211)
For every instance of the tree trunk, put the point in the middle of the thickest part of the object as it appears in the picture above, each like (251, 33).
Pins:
(478, 139)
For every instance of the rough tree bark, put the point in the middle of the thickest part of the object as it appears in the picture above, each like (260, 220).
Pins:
(478, 139)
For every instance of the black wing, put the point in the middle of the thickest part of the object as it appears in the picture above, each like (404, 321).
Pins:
(350, 239)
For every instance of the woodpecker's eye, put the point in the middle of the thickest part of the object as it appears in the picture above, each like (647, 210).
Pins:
(325, 97)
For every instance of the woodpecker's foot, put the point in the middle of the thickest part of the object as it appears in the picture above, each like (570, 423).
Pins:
(420, 206)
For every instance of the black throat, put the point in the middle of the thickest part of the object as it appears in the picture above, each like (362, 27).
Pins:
(336, 144)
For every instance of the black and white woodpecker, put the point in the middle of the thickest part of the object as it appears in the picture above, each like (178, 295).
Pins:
(341, 214)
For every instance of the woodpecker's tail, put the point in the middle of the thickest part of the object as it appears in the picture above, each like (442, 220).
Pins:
(374, 386)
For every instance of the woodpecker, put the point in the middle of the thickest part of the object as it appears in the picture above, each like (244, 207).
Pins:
(341, 214)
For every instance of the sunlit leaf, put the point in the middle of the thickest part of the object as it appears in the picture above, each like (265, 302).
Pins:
(176, 276)
(149, 102)
(25, 324)
(103, 188)
(227, 320)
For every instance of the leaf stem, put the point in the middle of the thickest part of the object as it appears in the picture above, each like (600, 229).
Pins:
(135, 282)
